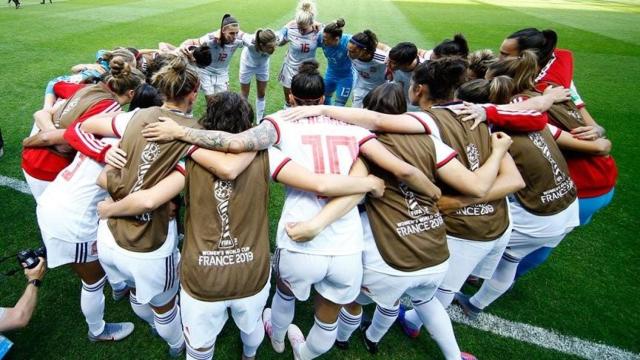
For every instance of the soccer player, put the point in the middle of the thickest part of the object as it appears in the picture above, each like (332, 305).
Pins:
(302, 35)
(338, 78)
(369, 59)
(327, 146)
(403, 59)
(448, 47)
(222, 44)
(254, 61)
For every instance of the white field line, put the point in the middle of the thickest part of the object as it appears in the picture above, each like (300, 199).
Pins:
(538, 336)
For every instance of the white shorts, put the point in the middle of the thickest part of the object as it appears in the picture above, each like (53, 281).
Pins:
(286, 75)
(521, 245)
(247, 72)
(213, 84)
(155, 279)
(36, 186)
(358, 97)
(336, 278)
(385, 290)
(202, 321)
(60, 252)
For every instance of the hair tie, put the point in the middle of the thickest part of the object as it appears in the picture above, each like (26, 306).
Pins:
(357, 43)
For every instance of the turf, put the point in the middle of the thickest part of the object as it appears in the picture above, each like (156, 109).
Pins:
(588, 289)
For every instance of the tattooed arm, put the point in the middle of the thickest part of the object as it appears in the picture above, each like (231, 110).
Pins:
(257, 138)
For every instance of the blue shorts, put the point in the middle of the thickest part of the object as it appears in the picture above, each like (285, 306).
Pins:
(340, 85)
(589, 206)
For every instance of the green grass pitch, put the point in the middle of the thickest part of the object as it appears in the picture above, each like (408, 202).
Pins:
(588, 289)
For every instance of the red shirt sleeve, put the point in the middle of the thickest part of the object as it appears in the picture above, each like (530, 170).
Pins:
(65, 90)
(516, 120)
(87, 143)
(559, 70)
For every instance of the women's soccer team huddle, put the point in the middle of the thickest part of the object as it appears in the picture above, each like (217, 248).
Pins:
(412, 191)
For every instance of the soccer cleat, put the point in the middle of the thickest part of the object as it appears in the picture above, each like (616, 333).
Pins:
(471, 311)
(296, 339)
(372, 347)
(113, 332)
(406, 327)
(268, 328)
(342, 345)
(177, 351)
(118, 295)
(467, 356)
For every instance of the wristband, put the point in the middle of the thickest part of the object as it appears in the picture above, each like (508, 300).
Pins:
(35, 282)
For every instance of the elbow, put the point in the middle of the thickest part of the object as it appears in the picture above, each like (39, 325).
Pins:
(21, 318)
(148, 205)
(227, 172)
(321, 189)
(406, 173)
(604, 148)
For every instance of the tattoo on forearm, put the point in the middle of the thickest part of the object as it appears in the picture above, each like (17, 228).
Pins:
(257, 138)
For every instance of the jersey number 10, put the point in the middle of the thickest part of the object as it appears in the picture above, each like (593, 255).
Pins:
(330, 149)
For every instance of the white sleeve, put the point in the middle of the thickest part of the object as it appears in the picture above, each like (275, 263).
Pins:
(119, 122)
(278, 124)
(575, 97)
(277, 160)
(248, 39)
(556, 132)
(427, 121)
(208, 39)
(363, 135)
(2, 311)
(444, 153)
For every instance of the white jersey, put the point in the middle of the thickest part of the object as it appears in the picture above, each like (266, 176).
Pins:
(251, 57)
(404, 78)
(302, 47)
(67, 210)
(220, 55)
(371, 73)
(324, 146)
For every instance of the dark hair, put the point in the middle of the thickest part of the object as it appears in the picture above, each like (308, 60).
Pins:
(387, 98)
(176, 79)
(227, 111)
(541, 42)
(366, 40)
(135, 52)
(441, 76)
(498, 90)
(154, 65)
(202, 55)
(227, 19)
(479, 62)
(334, 29)
(404, 53)
(456, 47)
(522, 69)
(307, 86)
(122, 77)
(145, 96)
(264, 37)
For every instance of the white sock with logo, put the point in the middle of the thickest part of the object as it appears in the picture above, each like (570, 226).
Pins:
(347, 324)
(382, 320)
(92, 305)
(169, 326)
(320, 339)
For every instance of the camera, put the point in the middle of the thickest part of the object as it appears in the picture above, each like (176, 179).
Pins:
(29, 257)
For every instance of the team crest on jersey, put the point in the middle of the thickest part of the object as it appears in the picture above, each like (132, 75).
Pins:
(473, 155)
(415, 210)
(564, 184)
(149, 154)
(68, 107)
(576, 115)
(222, 192)
(422, 219)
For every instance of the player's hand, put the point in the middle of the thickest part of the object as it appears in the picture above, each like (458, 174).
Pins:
(473, 112)
(302, 231)
(103, 208)
(165, 129)
(301, 112)
(37, 273)
(500, 141)
(558, 93)
(116, 157)
(378, 186)
(587, 132)
(449, 204)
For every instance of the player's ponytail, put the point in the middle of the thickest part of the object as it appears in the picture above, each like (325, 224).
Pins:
(123, 53)
(334, 29)
(441, 76)
(480, 91)
(228, 23)
(543, 43)
(122, 77)
(227, 111)
(307, 86)
(366, 40)
(306, 13)
(176, 80)
(456, 47)
(479, 61)
(266, 40)
(521, 69)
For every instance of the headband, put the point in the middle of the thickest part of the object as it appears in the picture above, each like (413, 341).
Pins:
(357, 43)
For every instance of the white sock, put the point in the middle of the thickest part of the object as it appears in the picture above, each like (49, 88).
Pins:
(143, 311)
(381, 322)
(117, 287)
(251, 342)
(347, 324)
(411, 317)
(445, 297)
(320, 339)
(92, 305)
(193, 354)
(283, 309)
(437, 322)
(260, 105)
(169, 326)
(498, 284)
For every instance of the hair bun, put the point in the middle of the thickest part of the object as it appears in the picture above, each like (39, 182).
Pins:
(178, 64)
(340, 22)
(306, 6)
(119, 67)
(309, 67)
